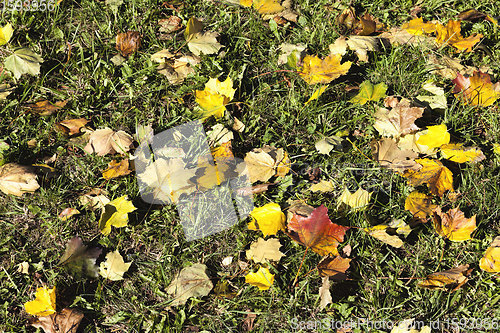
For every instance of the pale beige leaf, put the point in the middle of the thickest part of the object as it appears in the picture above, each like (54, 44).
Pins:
(262, 250)
(17, 179)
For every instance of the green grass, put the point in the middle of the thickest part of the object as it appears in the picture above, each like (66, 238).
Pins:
(382, 280)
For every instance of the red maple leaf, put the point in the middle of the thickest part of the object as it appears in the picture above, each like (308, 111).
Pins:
(317, 232)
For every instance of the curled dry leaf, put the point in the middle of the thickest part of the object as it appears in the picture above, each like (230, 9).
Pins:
(71, 126)
(17, 179)
(451, 279)
(46, 108)
(334, 267)
(116, 169)
(175, 67)
(324, 293)
(389, 155)
(106, 141)
(191, 281)
(65, 321)
(453, 224)
(128, 42)
(398, 121)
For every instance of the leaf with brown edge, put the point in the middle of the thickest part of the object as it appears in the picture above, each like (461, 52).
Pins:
(116, 169)
(398, 121)
(314, 70)
(46, 108)
(420, 205)
(389, 155)
(65, 321)
(334, 267)
(450, 34)
(438, 178)
(71, 126)
(128, 42)
(476, 89)
(453, 224)
(451, 279)
(317, 232)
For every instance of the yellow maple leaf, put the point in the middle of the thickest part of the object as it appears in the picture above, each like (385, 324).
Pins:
(314, 70)
(476, 89)
(214, 98)
(419, 204)
(490, 262)
(356, 201)
(434, 136)
(316, 94)
(450, 34)
(116, 169)
(262, 279)
(456, 152)
(115, 214)
(269, 219)
(44, 303)
(418, 27)
(6, 34)
(453, 224)
(114, 267)
(433, 173)
(267, 6)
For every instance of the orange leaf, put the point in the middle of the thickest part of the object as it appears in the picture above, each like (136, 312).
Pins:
(433, 173)
(116, 169)
(450, 34)
(315, 70)
(46, 108)
(128, 42)
(453, 224)
(317, 232)
(334, 267)
(418, 27)
(71, 126)
(476, 90)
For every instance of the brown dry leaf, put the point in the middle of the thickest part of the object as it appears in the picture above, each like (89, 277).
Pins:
(17, 179)
(191, 281)
(366, 25)
(262, 250)
(398, 121)
(175, 67)
(334, 267)
(170, 24)
(71, 126)
(324, 293)
(106, 141)
(452, 278)
(248, 322)
(266, 162)
(65, 321)
(116, 169)
(433, 173)
(389, 155)
(453, 224)
(298, 207)
(419, 204)
(474, 15)
(46, 108)
(362, 44)
(255, 189)
(128, 42)
(95, 198)
(448, 67)
(400, 36)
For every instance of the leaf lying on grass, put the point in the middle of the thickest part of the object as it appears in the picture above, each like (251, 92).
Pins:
(114, 267)
(191, 281)
(115, 213)
(23, 61)
(490, 262)
(262, 250)
(262, 279)
(44, 303)
(451, 279)
(269, 219)
(314, 70)
(65, 321)
(17, 179)
(453, 224)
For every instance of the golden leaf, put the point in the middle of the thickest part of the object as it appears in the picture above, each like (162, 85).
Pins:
(116, 169)
(262, 279)
(434, 136)
(418, 27)
(269, 219)
(267, 6)
(476, 89)
(450, 34)
(358, 200)
(453, 224)
(215, 96)
(438, 178)
(44, 303)
(452, 278)
(115, 214)
(419, 204)
(490, 262)
(314, 70)
(458, 153)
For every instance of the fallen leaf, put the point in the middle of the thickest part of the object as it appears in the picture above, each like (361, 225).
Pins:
(128, 42)
(323, 186)
(17, 179)
(67, 213)
(476, 89)
(418, 27)
(269, 219)
(114, 267)
(409, 142)
(328, 143)
(23, 61)
(389, 233)
(23, 268)
(334, 267)
(357, 201)
(215, 96)
(399, 36)
(399, 120)
(453, 224)
(44, 303)
(438, 100)
(369, 92)
(389, 155)
(474, 15)
(249, 320)
(456, 152)
(65, 321)
(452, 278)
(266, 162)
(490, 262)
(291, 54)
(450, 34)
(219, 135)
(106, 141)
(71, 126)
(175, 67)
(262, 250)
(79, 258)
(238, 125)
(362, 44)
(316, 94)
(438, 178)
(325, 295)
(420, 205)
(115, 213)
(5, 90)
(434, 136)
(255, 189)
(200, 42)
(262, 279)
(314, 70)
(191, 281)
(95, 198)
(267, 6)
(116, 169)
(46, 108)
(170, 24)
(6, 33)
(317, 232)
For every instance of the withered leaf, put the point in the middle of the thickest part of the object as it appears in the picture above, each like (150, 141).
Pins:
(128, 42)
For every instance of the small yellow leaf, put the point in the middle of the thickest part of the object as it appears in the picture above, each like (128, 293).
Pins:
(316, 94)
(434, 136)
(269, 219)
(115, 214)
(215, 96)
(323, 186)
(460, 154)
(369, 92)
(246, 3)
(452, 278)
(450, 34)
(6, 34)
(490, 262)
(419, 204)
(262, 279)
(358, 200)
(114, 267)
(314, 70)
(396, 226)
(44, 303)
(453, 224)
(496, 148)
(116, 169)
